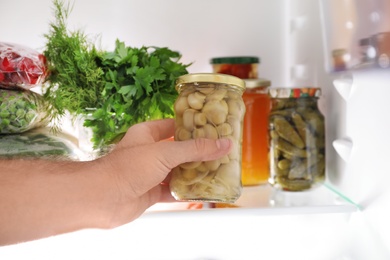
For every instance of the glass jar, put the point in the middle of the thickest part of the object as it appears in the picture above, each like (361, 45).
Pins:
(296, 139)
(367, 51)
(340, 59)
(242, 67)
(255, 166)
(209, 106)
(382, 44)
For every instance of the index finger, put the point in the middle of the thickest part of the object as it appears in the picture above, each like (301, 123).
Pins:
(150, 132)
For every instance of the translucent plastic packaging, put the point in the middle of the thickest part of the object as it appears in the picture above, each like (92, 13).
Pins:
(21, 67)
(39, 143)
(209, 106)
(296, 139)
(21, 111)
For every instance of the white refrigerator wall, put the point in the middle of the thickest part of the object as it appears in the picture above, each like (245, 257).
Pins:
(287, 35)
(199, 30)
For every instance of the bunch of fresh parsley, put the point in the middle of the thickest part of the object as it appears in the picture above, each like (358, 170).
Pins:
(116, 89)
(139, 86)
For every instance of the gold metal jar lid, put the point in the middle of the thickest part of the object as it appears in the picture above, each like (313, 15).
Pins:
(254, 83)
(210, 78)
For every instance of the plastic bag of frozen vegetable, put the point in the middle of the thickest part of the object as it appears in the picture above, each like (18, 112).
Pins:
(21, 111)
(39, 143)
(21, 67)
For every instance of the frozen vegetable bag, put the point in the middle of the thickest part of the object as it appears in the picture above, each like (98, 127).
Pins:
(21, 110)
(39, 143)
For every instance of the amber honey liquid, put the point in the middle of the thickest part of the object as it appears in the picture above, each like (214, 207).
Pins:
(255, 169)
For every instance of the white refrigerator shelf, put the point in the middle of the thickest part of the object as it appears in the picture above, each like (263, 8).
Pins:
(264, 200)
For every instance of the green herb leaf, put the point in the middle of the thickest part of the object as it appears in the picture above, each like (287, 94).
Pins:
(123, 87)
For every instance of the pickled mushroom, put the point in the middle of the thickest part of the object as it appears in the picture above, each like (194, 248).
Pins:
(235, 107)
(212, 165)
(224, 129)
(225, 159)
(216, 111)
(188, 119)
(200, 119)
(217, 95)
(182, 134)
(189, 177)
(196, 100)
(210, 132)
(190, 165)
(234, 153)
(180, 106)
(206, 89)
(235, 123)
(229, 173)
(198, 133)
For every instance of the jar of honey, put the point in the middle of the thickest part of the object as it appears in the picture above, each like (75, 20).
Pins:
(244, 67)
(255, 164)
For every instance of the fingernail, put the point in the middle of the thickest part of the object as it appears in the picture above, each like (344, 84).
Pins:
(223, 143)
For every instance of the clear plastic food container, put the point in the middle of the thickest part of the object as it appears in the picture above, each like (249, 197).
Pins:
(209, 105)
(296, 139)
(244, 67)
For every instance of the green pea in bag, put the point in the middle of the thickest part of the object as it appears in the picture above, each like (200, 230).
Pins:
(21, 111)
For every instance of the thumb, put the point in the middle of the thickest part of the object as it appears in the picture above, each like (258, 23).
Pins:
(199, 149)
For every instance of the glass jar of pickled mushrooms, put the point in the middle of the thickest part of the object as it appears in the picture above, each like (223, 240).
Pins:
(296, 139)
(209, 105)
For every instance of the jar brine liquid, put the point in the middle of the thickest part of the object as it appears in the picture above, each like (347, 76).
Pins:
(209, 106)
(255, 164)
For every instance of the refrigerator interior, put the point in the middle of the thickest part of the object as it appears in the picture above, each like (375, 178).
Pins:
(346, 220)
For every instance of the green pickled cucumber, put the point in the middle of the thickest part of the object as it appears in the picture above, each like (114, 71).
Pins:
(273, 134)
(302, 170)
(287, 132)
(314, 119)
(293, 185)
(304, 130)
(277, 104)
(284, 164)
(281, 172)
(289, 150)
(318, 170)
(284, 113)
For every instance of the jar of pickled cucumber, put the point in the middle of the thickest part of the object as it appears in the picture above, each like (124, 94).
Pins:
(209, 105)
(296, 139)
